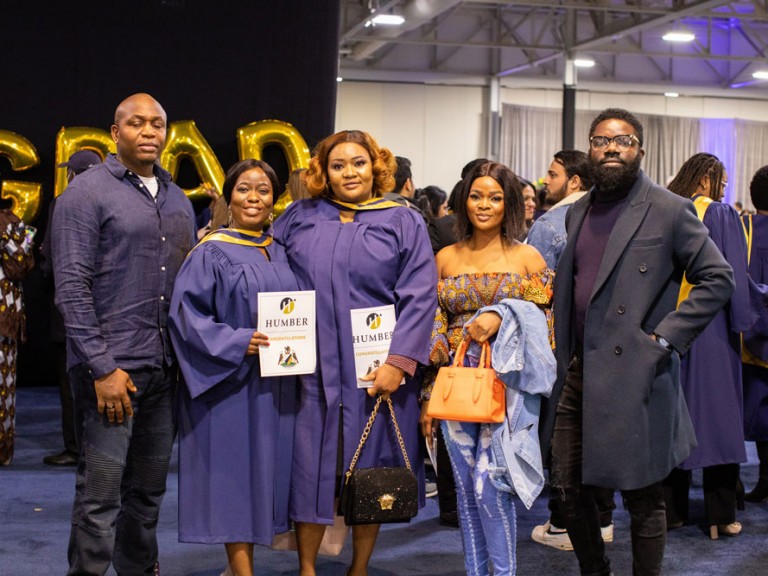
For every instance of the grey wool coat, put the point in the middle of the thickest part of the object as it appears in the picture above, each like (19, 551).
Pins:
(636, 426)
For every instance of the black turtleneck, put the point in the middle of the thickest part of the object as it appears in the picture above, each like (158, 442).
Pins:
(590, 246)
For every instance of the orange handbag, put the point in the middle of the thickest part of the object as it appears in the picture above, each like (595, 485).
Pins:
(468, 394)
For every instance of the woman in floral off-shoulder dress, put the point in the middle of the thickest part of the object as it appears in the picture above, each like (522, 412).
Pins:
(487, 265)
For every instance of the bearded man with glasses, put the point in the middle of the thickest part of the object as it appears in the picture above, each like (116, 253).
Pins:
(617, 417)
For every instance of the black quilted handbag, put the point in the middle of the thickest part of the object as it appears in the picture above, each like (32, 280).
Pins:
(379, 495)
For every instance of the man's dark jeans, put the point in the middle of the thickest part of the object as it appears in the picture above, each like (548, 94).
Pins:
(121, 476)
(578, 507)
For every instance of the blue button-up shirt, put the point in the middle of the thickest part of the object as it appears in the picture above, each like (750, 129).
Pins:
(116, 252)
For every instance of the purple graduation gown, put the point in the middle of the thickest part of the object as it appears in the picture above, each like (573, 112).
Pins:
(756, 377)
(383, 257)
(710, 373)
(235, 428)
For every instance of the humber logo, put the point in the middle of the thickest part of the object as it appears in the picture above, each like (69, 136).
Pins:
(287, 305)
(373, 321)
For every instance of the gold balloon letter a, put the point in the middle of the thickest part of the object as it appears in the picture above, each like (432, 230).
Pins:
(73, 138)
(25, 196)
(252, 138)
(185, 140)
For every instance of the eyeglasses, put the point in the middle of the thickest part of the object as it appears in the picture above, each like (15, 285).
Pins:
(623, 141)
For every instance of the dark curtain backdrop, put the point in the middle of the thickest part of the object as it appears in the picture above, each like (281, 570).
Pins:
(222, 64)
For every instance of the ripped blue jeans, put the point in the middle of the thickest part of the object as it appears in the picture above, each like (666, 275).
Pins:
(121, 476)
(486, 515)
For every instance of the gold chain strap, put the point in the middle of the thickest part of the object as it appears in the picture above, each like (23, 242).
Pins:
(367, 431)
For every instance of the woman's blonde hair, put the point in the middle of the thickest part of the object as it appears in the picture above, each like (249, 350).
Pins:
(382, 159)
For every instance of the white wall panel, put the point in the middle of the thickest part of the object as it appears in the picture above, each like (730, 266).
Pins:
(440, 128)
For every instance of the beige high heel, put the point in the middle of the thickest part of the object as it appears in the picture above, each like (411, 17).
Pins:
(732, 529)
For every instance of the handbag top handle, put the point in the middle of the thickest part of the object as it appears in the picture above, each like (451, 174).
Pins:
(367, 431)
(485, 354)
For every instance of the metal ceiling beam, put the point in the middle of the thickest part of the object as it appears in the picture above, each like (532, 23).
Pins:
(481, 27)
(581, 6)
(530, 33)
(619, 27)
(596, 9)
(416, 13)
(559, 49)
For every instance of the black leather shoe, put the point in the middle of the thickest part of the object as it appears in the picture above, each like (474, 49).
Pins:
(65, 458)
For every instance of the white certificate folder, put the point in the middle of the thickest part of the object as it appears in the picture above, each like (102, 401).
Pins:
(372, 330)
(288, 320)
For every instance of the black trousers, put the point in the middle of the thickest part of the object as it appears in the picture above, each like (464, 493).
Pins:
(603, 499)
(446, 485)
(68, 419)
(578, 506)
(720, 487)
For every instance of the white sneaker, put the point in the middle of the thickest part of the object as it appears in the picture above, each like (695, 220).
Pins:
(552, 536)
(431, 489)
(558, 537)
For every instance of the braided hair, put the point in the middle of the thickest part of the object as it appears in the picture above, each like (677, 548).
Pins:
(687, 180)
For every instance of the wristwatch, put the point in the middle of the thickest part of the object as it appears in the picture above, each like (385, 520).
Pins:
(663, 341)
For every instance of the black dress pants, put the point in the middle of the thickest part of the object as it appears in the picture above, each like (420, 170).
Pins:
(720, 485)
(577, 502)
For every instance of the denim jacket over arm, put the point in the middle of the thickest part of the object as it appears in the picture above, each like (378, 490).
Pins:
(523, 360)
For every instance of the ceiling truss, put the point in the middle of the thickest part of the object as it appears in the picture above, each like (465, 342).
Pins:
(533, 39)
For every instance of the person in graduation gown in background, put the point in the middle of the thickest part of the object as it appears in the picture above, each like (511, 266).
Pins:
(755, 345)
(710, 373)
(356, 250)
(235, 427)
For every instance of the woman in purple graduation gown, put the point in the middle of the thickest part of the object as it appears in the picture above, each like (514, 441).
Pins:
(235, 427)
(755, 372)
(710, 373)
(356, 250)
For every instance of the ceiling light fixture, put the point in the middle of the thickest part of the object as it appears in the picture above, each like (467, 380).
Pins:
(760, 75)
(386, 20)
(671, 94)
(679, 36)
(584, 62)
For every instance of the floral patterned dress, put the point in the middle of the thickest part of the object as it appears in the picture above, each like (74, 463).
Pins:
(16, 261)
(460, 297)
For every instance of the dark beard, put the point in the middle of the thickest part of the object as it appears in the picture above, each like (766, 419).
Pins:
(554, 196)
(612, 180)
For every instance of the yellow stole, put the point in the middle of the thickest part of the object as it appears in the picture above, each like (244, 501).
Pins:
(370, 204)
(746, 356)
(701, 203)
(256, 240)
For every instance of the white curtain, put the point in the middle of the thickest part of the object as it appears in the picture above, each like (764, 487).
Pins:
(530, 137)
(668, 142)
(751, 141)
(527, 139)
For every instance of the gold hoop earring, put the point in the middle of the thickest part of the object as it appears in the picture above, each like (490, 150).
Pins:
(229, 218)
